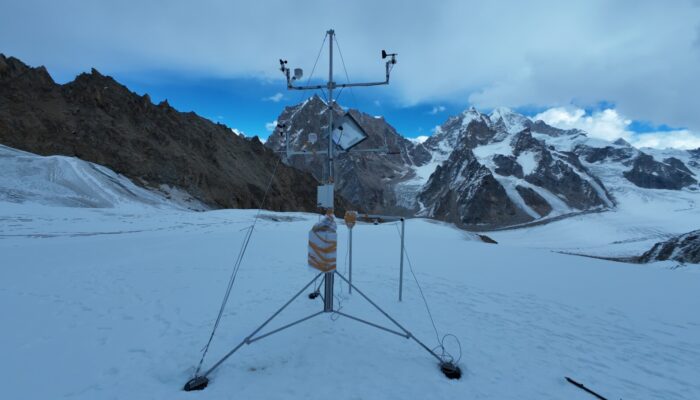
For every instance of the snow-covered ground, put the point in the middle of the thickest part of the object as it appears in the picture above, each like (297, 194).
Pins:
(109, 291)
(115, 303)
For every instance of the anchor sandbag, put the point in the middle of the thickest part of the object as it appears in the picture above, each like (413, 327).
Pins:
(323, 244)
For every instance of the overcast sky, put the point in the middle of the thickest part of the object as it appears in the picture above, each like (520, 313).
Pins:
(638, 59)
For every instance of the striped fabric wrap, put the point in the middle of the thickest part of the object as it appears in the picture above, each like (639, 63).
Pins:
(323, 245)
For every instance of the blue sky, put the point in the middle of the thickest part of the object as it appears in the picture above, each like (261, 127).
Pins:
(249, 104)
(623, 68)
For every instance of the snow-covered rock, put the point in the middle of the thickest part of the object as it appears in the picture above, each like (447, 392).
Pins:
(683, 248)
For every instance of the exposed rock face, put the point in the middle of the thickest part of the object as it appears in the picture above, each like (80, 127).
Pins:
(98, 120)
(561, 173)
(507, 166)
(651, 174)
(543, 128)
(534, 200)
(366, 179)
(465, 192)
(684, 248)
(678, 164)
(607, 153)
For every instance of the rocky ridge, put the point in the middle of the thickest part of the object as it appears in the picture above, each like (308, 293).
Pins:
(99, 120)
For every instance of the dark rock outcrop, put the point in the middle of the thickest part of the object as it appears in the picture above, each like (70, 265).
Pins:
(651, 174)
(507, 166)
(534, 200)
(607, 153)
(99, 120)
(684, 248)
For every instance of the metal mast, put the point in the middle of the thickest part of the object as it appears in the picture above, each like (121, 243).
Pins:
(329, 188)
(331, 34)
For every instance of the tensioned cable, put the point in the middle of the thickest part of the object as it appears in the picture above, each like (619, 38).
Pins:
(308, 80)
(347, 77)
(237, 266)
(445, 356)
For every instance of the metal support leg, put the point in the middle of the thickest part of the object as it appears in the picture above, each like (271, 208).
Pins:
(350, 268)
(247, 339)
(391, 319)
(373, 324)
(328, 292)
(263, 336)
(403, 229)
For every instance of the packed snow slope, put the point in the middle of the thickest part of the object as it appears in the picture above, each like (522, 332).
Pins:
(117, 303)
(641, 217)
(72, 182)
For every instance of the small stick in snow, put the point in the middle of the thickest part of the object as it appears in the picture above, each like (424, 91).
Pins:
(580, 386)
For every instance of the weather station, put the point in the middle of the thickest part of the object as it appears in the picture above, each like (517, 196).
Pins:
(343, 134)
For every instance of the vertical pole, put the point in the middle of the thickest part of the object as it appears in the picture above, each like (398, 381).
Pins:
(328, 288)
(328, 292)
(331, 84)
(403, 229)
(350, 252)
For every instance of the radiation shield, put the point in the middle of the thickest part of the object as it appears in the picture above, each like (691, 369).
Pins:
(348, 133)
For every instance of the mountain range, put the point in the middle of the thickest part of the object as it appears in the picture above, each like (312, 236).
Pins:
(482, 171)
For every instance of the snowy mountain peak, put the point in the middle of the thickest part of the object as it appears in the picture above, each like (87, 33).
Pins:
(500, 112)
(504, 119)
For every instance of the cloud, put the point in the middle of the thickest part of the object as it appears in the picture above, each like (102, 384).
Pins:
(607, 124)
(610, 125)
(275, 98)
(436, 109)
(270, 126)
(680, 139)
(540, 53)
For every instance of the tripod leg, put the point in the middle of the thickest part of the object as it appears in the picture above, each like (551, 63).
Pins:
(390, 319)
(247, 339)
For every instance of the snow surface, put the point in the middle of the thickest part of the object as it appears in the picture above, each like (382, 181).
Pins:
(528, 161)
(117, 301)
(103, 303)
(641, 218)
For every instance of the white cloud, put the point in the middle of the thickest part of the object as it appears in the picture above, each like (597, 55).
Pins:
(275, 98)
(681, 139)
(490, 53)
(610, 125)
(436, 109)
(607, 124)
(270, 126)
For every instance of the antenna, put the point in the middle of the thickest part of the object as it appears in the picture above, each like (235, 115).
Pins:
(349, 132)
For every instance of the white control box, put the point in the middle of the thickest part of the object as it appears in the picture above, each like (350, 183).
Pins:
(324, 196)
